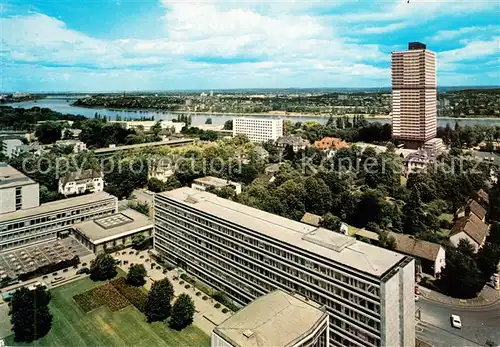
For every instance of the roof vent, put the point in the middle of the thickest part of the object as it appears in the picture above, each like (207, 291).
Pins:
(248, 333)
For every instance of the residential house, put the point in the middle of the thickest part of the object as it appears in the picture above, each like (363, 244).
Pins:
(430, 257)
(80, 182)
(417, 161)
(330, 143)
(471, 207)
(296, 142)
(483, 198)
(471, 228)
(78, 146)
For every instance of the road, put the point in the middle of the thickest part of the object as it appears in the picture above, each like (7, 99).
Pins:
(478, 324)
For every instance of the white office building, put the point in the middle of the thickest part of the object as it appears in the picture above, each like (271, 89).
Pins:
(258, 129)
(8, 146)
(368, 291)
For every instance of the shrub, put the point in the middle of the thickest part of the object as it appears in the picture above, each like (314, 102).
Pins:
(187, 286)
(225, 310)
(158, 268)
(217, 305)
(133, 294)
(205, 297)
(198, 293)
(181, 282)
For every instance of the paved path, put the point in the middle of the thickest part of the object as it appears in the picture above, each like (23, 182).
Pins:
(206, 316)
(487, 297)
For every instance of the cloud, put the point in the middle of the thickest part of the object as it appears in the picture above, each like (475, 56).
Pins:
(452, 34)
(471, 51)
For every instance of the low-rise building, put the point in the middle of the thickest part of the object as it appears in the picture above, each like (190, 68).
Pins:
(417, 162)
(53, 219)
(469, 228)
(8, 147)
(472, 207)
(483, 198)
(80, 182)
(78, 146)
(330, 143)
(276, 319)
(114, 230)
(112, 149)
(297, 143)
(145, 125)
(214, 182)
(430, 257)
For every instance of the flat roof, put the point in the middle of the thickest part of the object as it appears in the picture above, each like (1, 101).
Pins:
(62, 204)
(339, 248)
(276, 319)
(10, 177)
(215, 181)
(108, 228)
(142, 145)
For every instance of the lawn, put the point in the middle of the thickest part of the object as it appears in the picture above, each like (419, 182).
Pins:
(102, 327)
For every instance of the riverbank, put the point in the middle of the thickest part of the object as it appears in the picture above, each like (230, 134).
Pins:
(274, 114)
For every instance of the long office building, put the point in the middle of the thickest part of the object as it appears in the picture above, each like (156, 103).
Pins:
(414, 95)
(368, 291)
(258, 129)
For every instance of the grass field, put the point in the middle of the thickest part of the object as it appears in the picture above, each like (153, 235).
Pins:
(102, 327)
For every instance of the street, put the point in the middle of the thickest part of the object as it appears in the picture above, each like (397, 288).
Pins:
(478, 324)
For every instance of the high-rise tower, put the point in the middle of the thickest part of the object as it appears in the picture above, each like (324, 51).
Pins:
(414, 95)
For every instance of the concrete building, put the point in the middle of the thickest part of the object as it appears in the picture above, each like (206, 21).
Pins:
(111, 231)
(17, 191)
(145, 125)
(80, 182)
(9, 146)
(53, 219)
(368, 291)
(414, 95)
(258, 129)
(276, 319)
(203, 183)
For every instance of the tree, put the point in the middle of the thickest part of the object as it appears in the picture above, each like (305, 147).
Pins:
(30, 315)
(386, 241)
(48, 132)
(208, 120)
(103, 267)
(136, 274)
(141, 207)
(494, 213)
(331, 222)
(182, 312)
(158, 302)
(414, 215)
(156, 128)
(228, 125)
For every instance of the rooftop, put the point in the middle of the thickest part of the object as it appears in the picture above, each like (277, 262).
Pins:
(364, 257)
(472, 226)
(10, 177)
(215, 181)
(80, 175)
(143, 145)
(275, 319)
(311, 219)
(120, 224)
(62, 204)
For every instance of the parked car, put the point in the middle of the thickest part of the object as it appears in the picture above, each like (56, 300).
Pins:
(83, 270)
(456, 322)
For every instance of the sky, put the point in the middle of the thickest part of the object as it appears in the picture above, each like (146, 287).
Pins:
(133, 45)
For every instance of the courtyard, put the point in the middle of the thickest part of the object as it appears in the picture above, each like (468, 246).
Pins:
(105, 326)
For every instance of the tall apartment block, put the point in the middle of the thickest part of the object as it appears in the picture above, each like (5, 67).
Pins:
(258, 129)
(414, 95)
(23, 220)
(368, 291)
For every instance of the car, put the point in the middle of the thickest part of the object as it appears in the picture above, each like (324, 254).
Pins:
(456, 322)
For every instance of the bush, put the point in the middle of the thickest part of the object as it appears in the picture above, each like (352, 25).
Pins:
(181, 282)
(205, 297)
(187, 286)
(133, 294)
(217, 305)
(198, 293)
(225, 310)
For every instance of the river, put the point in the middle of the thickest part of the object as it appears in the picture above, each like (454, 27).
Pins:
(64, 106)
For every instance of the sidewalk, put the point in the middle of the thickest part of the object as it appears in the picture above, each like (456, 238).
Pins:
(487, 297)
